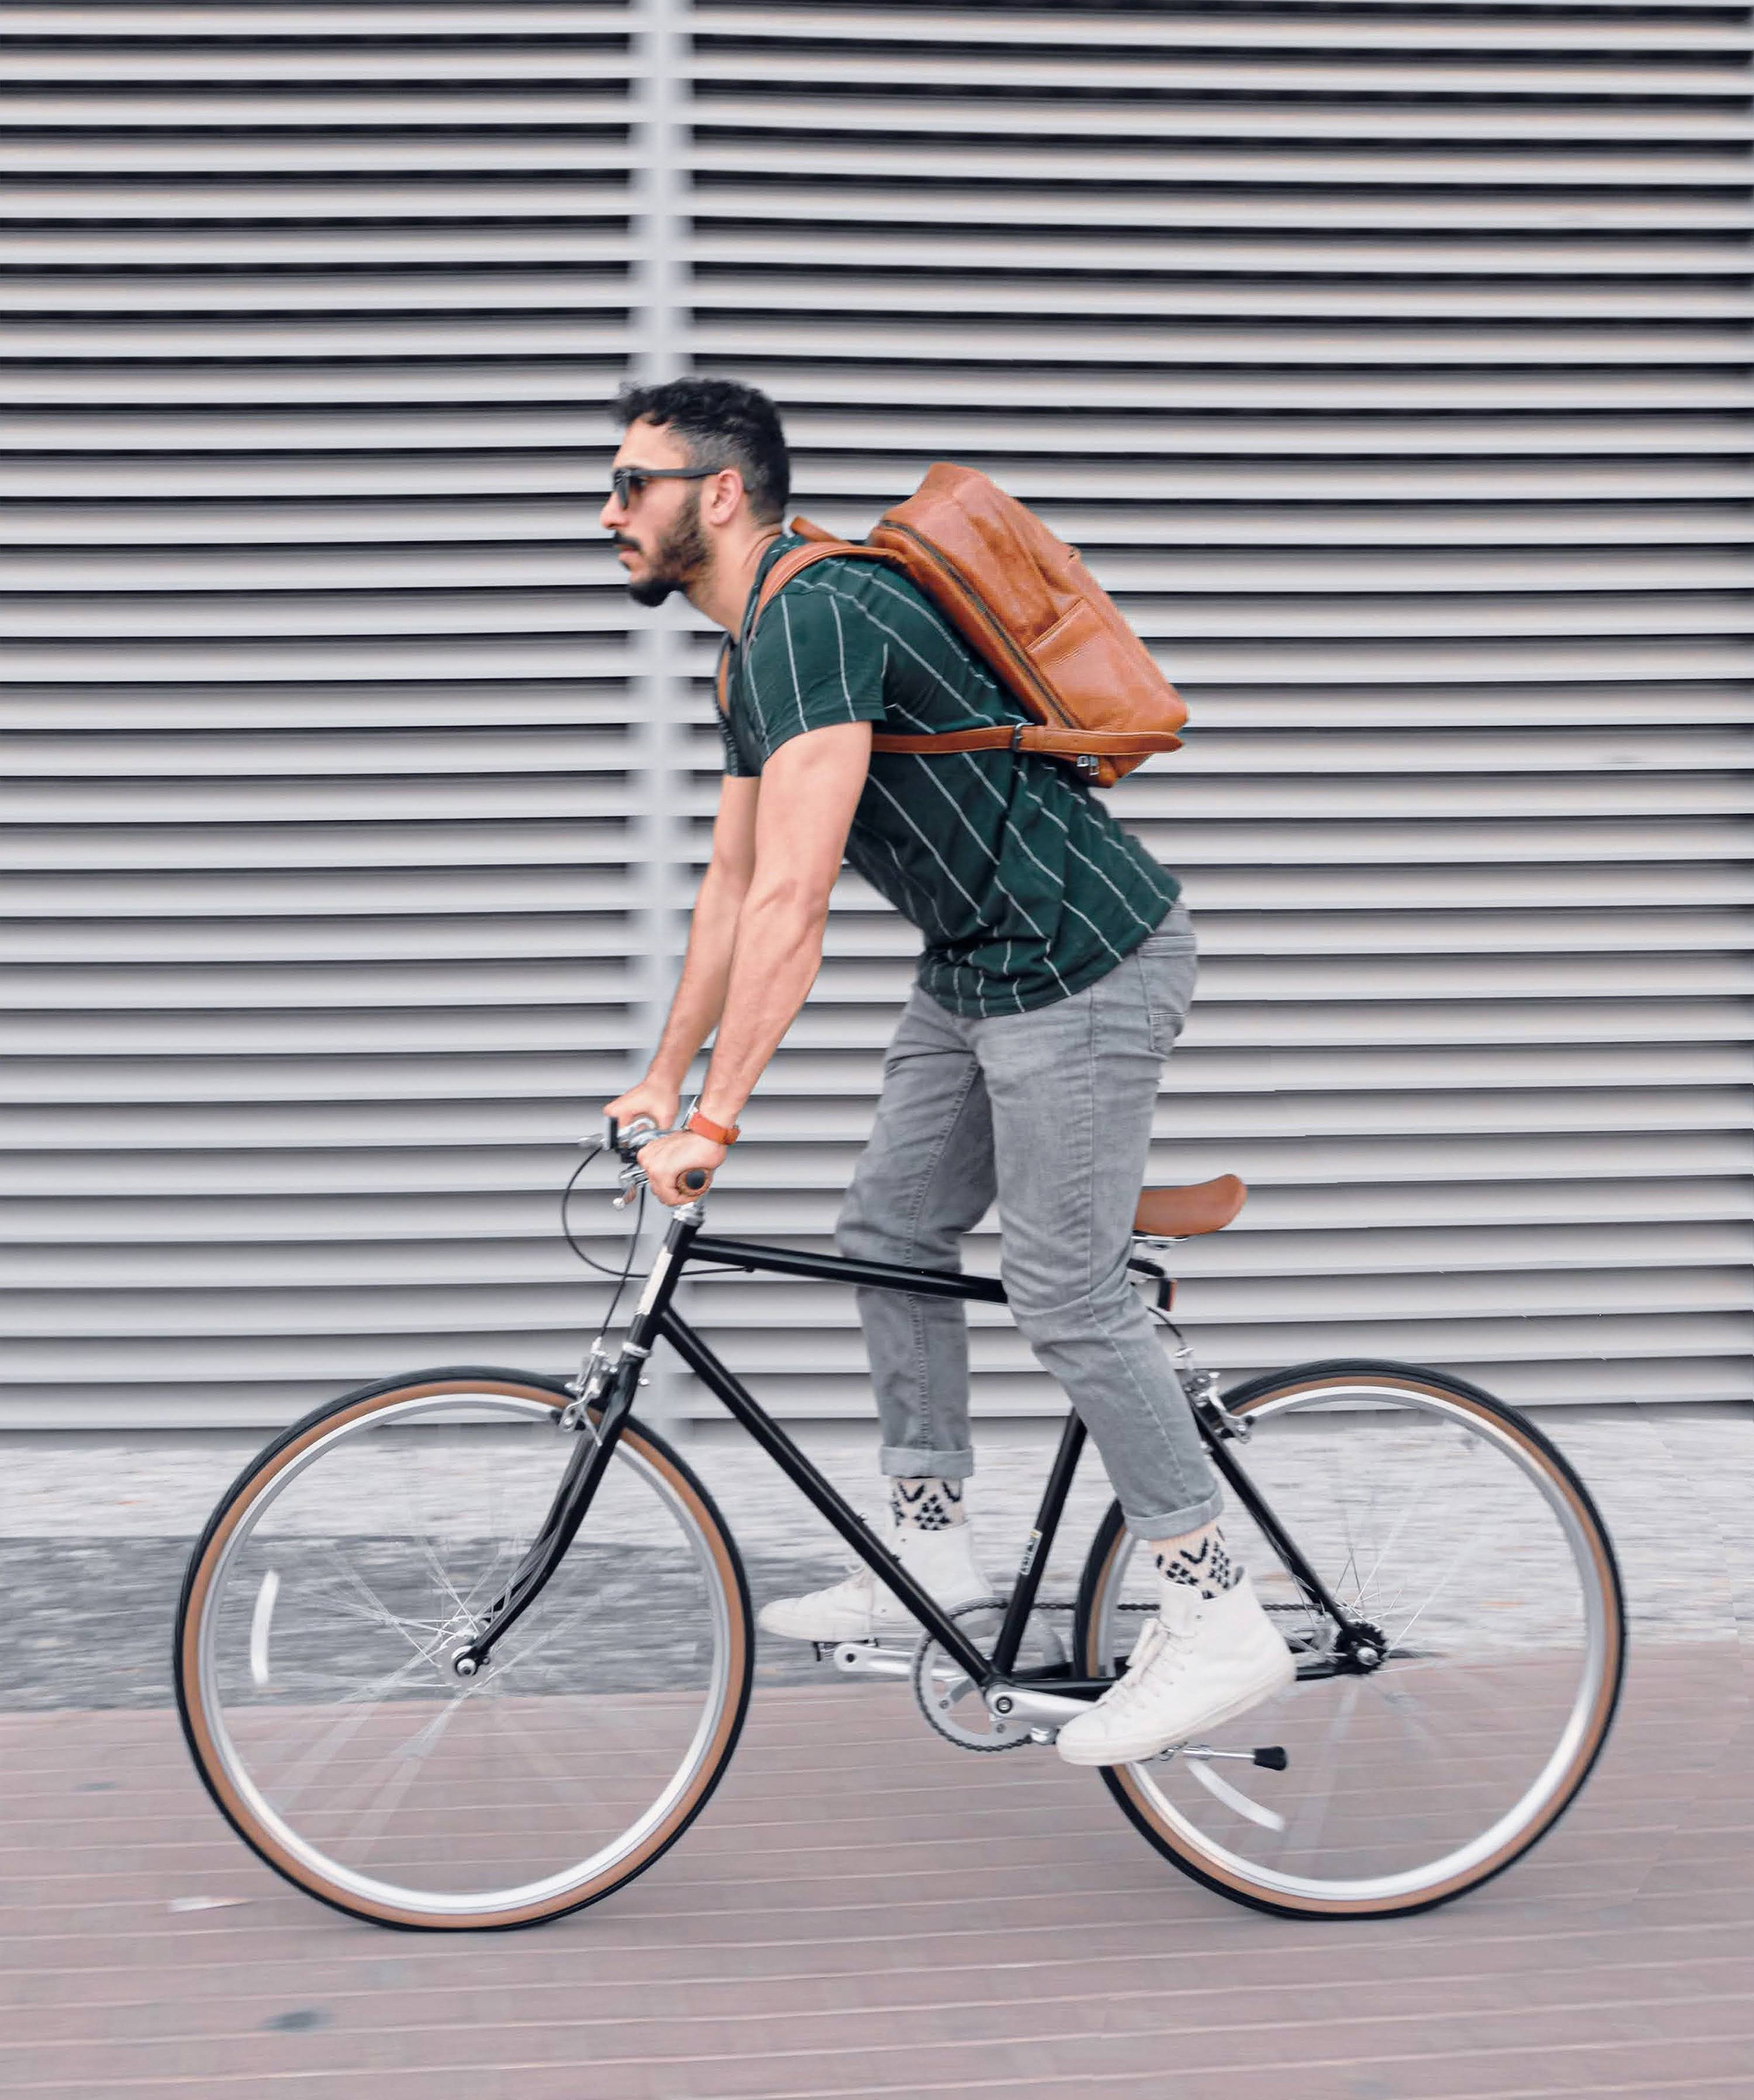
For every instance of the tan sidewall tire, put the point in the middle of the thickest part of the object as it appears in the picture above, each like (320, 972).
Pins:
(1122, 1782)
(197, 1586)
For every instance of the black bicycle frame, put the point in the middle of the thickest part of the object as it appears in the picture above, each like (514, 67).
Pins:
(654, 1320)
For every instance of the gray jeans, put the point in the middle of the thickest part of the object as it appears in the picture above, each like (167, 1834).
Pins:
(1051, 1112)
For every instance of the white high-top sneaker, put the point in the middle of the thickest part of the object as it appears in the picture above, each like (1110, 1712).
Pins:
(860, 1609)
(1199, 1662)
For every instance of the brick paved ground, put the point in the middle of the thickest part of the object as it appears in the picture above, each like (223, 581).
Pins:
(863, 1912)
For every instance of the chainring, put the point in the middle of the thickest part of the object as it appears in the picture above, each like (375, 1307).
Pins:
(940, 1685)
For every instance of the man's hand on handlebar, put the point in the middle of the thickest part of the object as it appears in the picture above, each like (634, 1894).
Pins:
(648, 1102)
(667, 1160)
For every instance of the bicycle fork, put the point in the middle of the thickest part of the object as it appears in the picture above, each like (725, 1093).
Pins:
(610, 1389)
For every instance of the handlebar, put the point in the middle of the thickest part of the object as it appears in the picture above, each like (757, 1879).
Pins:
(626, 1144)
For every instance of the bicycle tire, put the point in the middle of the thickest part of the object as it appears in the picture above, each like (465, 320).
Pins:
(1219, 1866)
(197, 1675)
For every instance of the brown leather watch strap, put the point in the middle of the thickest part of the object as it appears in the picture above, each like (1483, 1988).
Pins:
(717, 1133)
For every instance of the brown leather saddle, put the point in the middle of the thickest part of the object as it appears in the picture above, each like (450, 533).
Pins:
(1179, 1214)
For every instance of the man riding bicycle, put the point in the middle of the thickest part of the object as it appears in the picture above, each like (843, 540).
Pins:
(1058, 968)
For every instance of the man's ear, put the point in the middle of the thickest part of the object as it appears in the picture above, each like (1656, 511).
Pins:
(723, 496)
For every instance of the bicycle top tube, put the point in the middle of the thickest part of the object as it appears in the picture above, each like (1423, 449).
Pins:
(754, 1255)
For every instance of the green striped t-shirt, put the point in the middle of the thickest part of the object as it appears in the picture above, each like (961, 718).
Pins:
(1025, 887)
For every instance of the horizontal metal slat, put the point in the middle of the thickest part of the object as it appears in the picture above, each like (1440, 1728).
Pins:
(1238, 255)
(72, 902)
(889, 300)
(1130, 31)
(1099, 163)
(323, 293)
(813, 76)
(954, 341)
(349, 660)
(253, 520)
(1033, 210)
(133, 842)
(190, 432)
(592, 97)
(1394, 116)
(255, 152)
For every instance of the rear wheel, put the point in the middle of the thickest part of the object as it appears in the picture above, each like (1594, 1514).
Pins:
(1448, 1523)
(349, 1563)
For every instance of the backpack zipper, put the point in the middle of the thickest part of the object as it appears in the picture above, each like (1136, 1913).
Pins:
(1050, 706)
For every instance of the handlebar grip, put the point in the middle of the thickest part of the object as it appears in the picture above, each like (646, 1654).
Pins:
(696, 1180)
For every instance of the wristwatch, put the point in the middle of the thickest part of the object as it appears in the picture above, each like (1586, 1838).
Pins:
(705, 1126)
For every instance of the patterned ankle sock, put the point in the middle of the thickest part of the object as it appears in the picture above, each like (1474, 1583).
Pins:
(927, 1505)
(1200, 1561)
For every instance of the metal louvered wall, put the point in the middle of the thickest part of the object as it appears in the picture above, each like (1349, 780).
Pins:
(1391, 362)
(326, 770)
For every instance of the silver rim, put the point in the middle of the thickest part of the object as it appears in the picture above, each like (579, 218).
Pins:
(1528, 1812)
(552, 1890)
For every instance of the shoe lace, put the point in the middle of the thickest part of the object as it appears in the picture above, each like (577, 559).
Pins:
(859, 1579)
(1156, 1641)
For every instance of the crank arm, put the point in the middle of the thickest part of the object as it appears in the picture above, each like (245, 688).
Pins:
(869, 1659)
(1027, 1706)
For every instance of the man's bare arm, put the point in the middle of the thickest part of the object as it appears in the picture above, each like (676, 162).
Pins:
(700, 995)
(808, 790)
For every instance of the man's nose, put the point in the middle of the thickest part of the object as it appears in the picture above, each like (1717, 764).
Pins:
(612, 514)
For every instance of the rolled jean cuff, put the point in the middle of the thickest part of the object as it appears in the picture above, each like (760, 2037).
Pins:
(902, 1463)
(1174, 1524)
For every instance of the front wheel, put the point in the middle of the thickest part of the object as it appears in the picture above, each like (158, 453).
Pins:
(342, 1574)
(1449, 1524)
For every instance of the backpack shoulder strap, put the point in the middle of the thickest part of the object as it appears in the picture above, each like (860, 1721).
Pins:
(801, 558)
(819, 546)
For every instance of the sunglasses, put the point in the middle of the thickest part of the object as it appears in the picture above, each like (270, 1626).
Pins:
(627, 482)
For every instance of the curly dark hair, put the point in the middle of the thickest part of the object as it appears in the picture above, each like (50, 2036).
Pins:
(722, 419)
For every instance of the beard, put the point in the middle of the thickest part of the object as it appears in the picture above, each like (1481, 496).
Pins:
(681, 559)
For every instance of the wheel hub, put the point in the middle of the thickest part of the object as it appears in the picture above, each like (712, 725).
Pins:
(1362, 1646)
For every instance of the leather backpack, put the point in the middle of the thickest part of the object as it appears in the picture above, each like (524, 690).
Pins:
(1032, 613)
